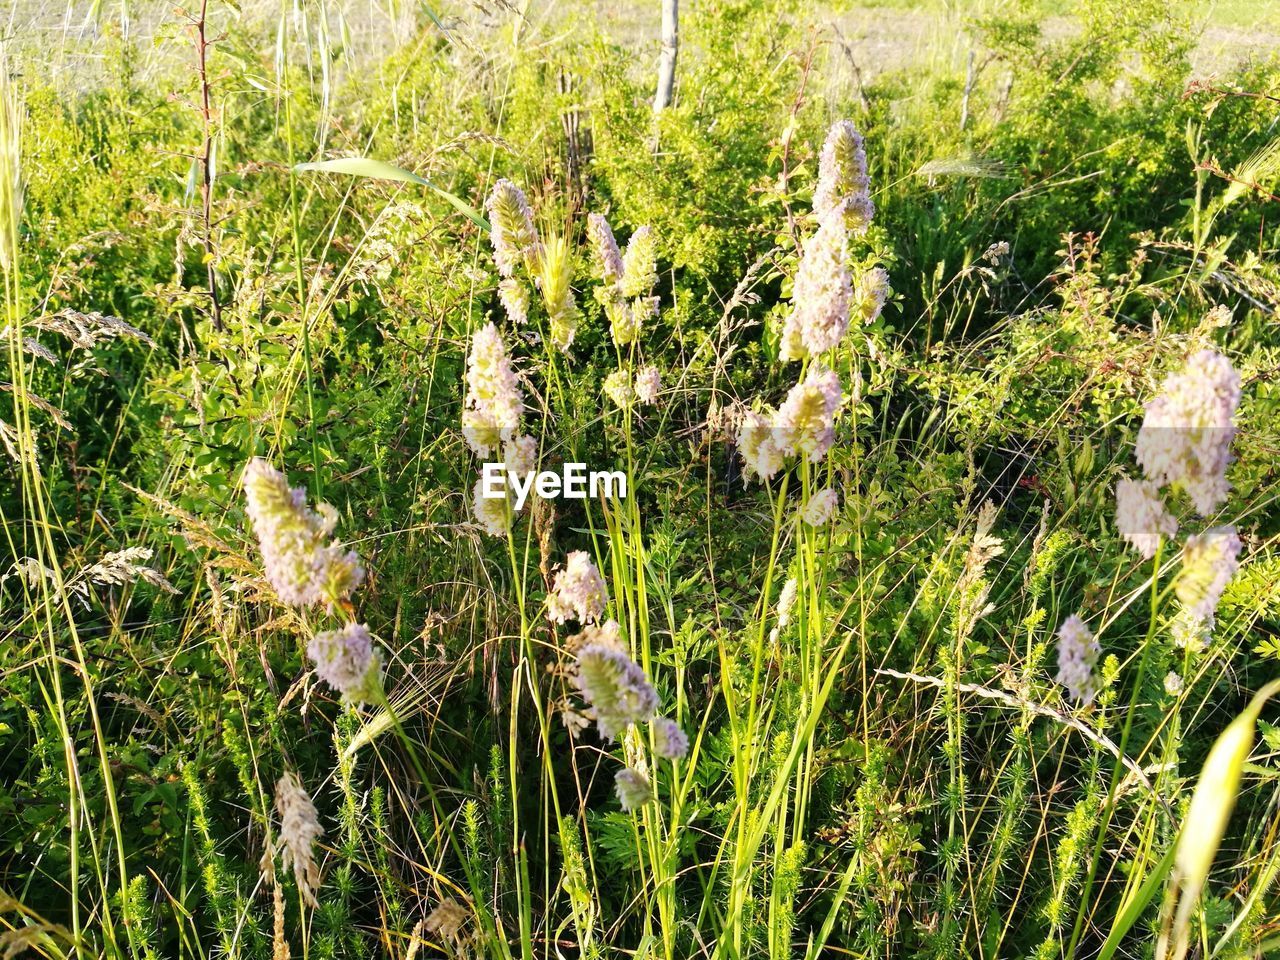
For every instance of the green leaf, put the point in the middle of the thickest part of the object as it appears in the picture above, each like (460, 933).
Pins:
(364, 167)
(381, 170)
(1270, 734)
(1136, 904)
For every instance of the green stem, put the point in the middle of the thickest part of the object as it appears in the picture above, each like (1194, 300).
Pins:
(1118, 765)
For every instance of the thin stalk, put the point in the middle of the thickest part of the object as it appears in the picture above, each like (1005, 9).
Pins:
(295, 221)
(1109, 804)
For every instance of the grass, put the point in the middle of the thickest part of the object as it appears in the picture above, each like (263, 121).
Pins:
(279, 281)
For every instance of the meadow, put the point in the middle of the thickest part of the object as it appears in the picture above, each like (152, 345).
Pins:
(936, 346)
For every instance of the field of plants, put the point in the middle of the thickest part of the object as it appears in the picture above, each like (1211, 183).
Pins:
(517, 479)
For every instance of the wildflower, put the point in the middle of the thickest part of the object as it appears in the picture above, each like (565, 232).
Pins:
(1078, 654)
(621, 317)
(1172, 683)
(859, 211)
(843, 183)
(616, 687)
(758, 446)
(616, 310)
(607, 634)
(823, 290)
(511, 229)
(299, 830)
(643, 309)
(805, 423)
(820, 508)
(608, 257)
(1188, 428)
(494, 405)
(521, 454)
(786, 601)
(480, 432)
(639, 264)
(1141, 516)
(574, 721)
(627, 319)
(997, 253)
(669, 740)
(345, 659)
(515, 301)
(377, 258)
(301, 568)
(1209, 561)
(1219, 316)
(870, 293)
(617, 387)
(1190, 633)
(491, 382)
(490, 512)
(557, 293)
(447, 920)
(633, 788)
(578, 592)
(723, 423)
(404, 213)
(648, 384)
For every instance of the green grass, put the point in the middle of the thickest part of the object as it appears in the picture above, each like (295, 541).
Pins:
(884, 758)
(1230, 14)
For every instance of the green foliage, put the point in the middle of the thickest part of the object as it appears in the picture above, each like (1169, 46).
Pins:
(893, 770)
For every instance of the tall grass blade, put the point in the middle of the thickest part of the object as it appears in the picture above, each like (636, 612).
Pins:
(381, 170)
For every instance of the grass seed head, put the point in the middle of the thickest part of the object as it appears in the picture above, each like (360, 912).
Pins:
(299, 830)
(633, 789)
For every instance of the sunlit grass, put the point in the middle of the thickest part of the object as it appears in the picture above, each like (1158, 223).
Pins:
(352, 244)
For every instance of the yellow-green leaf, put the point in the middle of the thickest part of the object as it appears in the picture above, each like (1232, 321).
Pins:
(381, 170)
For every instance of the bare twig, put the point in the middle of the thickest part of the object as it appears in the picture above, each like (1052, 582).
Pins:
(1219, 172)
(200, 26)
(1204, 86)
